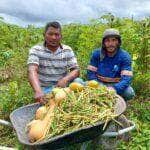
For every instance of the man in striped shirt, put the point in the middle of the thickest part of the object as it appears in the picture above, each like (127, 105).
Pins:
(51, 64)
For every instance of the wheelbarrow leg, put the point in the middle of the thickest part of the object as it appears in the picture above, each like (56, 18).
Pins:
(124, 121)
(5, 123)
(114, 133)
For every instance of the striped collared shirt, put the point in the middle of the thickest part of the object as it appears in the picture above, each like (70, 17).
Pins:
(52, 65)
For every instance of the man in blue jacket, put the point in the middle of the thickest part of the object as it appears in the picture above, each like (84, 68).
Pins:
(111, 65)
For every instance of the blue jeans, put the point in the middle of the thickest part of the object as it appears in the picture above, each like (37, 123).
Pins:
(48, 89)
(127, 94)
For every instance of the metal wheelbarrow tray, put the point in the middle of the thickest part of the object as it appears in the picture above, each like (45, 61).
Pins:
(23, 115)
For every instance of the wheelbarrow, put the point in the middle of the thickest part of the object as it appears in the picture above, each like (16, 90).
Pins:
(23, 115)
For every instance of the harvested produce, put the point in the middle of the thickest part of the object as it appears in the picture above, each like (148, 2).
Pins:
(72, 108)
(93, 83)
(41, 112)
(74, 86)
(84, 108)
(39, 128)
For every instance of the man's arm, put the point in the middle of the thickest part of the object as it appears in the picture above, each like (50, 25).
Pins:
(74, 73)
(92, 67)
(126, 75)
(34, 81)
(72, 68)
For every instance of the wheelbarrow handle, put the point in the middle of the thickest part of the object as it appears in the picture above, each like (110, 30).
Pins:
(5, 123)
(120, 132)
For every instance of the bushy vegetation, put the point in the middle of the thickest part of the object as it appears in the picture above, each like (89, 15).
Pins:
(15, 90)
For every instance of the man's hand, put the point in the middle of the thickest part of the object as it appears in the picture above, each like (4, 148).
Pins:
(74, 73)
(39, 97)
(62, 82)
(34, 81)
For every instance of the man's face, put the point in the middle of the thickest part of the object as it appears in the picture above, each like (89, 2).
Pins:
(53, 37)
(111, 44)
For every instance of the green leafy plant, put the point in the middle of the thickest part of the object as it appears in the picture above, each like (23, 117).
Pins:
(16, 41)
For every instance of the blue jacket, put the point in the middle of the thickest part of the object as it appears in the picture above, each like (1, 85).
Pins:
(116, 69)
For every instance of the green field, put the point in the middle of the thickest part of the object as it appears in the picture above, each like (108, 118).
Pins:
(15, 90)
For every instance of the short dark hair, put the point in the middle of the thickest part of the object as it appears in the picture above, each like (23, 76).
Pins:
(53, 24)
